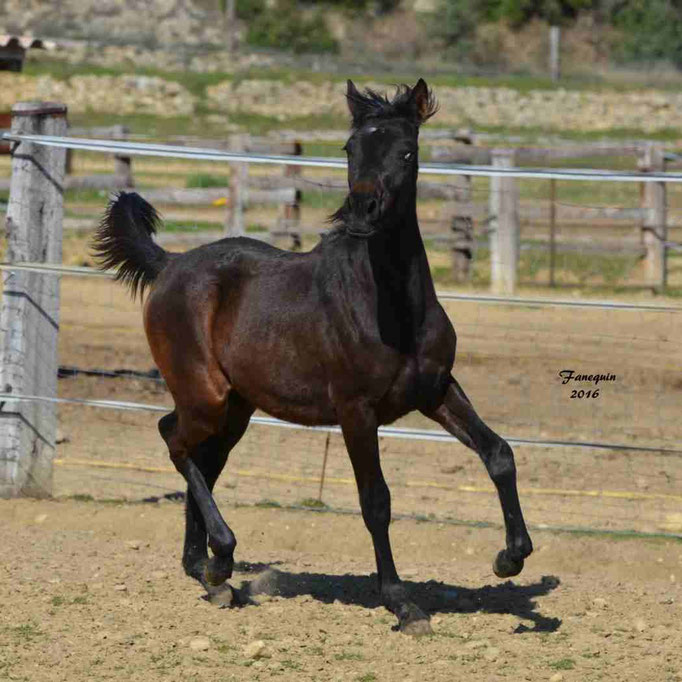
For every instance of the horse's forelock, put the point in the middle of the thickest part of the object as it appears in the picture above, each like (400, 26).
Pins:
(371, 105)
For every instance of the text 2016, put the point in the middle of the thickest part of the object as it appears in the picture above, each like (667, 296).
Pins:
(575, 393)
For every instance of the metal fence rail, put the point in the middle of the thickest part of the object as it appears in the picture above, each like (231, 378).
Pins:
(384, 431)
(200, 154)
(81, 271)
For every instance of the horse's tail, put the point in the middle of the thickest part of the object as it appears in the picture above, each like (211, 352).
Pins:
(124, 240)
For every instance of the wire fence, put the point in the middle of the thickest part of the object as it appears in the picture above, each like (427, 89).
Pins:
(202, 154)
(597, 239)
(610, 462)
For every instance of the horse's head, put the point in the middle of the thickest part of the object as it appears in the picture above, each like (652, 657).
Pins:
(383, 155)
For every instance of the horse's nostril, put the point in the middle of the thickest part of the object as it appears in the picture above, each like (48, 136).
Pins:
(372, 206)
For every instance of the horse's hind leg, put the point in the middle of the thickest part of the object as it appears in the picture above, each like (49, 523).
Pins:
(201, 469)
(457, 415)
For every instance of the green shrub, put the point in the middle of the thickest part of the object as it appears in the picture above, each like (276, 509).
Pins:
(248, 10)
(457, 20)
(652, 30)
(286, 27)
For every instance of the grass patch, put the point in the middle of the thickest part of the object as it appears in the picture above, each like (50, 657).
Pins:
(58, 600)
(530, 132)
(89, 498)
(26, 631)
(62, 70)
(206, 180)
(367, 677)
(610, 268)
(259, 124)
(312, 503)
(85, 196)
(563, 664)
(256, 227)
(604, 270)
(155, 127)
(318, 198)
(190, 226)
(80, 497)
(268, 504)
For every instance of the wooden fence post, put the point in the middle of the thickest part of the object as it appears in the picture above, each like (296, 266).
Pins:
(123, 165)
(290, 219)
(239, 176)
(654, 225)
(552, 232)
(554, 53)
(29, 318)
(504, 226)
(123, 169)
(462, 228)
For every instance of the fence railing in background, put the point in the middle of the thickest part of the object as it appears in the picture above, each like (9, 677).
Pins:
(461, 210)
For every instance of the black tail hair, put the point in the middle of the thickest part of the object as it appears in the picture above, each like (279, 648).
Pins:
(124, 240)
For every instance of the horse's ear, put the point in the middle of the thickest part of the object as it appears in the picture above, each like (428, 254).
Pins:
(353, 98)
(424, 102)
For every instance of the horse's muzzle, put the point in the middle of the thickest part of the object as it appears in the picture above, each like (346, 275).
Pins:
(368, 207)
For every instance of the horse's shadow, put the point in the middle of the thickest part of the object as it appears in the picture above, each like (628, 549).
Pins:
(434, 597)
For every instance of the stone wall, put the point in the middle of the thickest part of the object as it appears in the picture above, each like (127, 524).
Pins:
(646, 110)
(100, 94)
(570, 110)
(147, 22)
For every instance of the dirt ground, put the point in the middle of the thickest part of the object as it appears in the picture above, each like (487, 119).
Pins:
(95, 591)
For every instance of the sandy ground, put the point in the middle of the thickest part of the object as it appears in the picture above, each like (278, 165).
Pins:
(95, 591)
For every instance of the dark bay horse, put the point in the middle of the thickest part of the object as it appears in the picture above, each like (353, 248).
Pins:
(350, 333)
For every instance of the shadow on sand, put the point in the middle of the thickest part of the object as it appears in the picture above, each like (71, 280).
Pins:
(434, 597)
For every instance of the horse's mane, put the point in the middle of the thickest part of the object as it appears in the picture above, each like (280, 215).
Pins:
(373, 105)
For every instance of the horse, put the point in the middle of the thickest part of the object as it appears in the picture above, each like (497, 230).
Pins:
(350, 333)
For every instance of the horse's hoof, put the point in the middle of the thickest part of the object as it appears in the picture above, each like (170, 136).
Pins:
(417, 628)
(217, 570)
(506, 567)
(413, 621)
(224, 596)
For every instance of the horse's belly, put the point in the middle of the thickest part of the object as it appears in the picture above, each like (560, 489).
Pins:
(291, 393)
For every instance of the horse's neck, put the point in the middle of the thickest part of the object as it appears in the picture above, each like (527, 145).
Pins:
(400, 268)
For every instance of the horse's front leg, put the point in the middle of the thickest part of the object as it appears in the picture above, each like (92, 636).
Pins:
(359, 428)
(457, 415)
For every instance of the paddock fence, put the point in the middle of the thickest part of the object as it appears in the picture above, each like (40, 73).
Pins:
(473, 218)
(609, 462)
